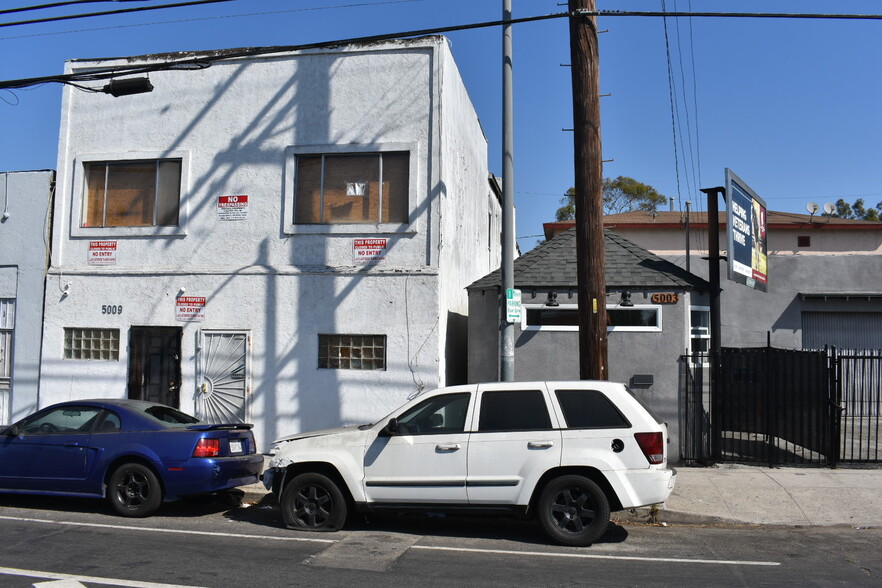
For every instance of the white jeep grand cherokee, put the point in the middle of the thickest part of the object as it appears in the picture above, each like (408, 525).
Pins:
(565, 452)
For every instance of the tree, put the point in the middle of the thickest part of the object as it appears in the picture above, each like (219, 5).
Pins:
(622, 194)
(857, 210)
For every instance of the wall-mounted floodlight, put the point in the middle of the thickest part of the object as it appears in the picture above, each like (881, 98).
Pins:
(626, 299)
(552, 299)
(128, 86)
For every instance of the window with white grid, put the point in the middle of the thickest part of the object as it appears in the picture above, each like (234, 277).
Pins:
(7, 323)
(352, 352)
(94, 344)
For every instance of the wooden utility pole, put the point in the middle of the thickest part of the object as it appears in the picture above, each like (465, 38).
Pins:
(589, 192)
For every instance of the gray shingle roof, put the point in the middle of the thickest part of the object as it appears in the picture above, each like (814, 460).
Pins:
(553, 264)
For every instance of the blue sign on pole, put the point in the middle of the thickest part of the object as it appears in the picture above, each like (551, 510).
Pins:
(746, 233)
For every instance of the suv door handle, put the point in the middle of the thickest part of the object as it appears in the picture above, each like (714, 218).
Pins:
(450, 447)
(540, 444)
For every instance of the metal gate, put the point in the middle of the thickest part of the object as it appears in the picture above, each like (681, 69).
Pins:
(225, 369)
(776, 406)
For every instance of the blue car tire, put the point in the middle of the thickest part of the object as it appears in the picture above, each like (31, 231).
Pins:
(134, 490)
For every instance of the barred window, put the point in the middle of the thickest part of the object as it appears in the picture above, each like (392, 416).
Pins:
(97, 344)
(352, 352)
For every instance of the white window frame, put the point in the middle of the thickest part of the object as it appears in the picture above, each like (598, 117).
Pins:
(290, 188)
(689, 335)
(78, 190)
(7, 331)
(525, 326)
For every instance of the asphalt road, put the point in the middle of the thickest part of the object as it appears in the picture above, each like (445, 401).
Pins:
(67, 542)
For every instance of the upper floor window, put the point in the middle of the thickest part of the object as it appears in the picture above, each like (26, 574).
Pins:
(131, 193)
(352, 188)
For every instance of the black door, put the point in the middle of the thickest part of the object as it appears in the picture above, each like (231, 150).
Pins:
(155, 364)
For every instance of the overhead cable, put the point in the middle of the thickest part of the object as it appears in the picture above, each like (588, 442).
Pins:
(110, 12)
(60, 4)
(106, 73)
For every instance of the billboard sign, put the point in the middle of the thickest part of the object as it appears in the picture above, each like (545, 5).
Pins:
(746, 234)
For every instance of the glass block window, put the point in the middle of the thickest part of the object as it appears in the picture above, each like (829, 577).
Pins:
(352, 352)
(97, 344)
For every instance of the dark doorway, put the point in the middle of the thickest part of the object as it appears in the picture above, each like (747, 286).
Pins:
(155, 364)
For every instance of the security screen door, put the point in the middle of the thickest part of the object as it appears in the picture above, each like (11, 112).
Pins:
(225, 377)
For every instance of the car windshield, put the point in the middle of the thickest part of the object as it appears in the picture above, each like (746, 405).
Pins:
(170, 417)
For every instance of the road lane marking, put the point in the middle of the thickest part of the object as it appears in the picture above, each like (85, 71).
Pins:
(159, 530)
(90, 579)
(599, 556)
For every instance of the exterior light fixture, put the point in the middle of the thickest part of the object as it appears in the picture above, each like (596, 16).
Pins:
(128, 86)
(552, 298)
(626, 299)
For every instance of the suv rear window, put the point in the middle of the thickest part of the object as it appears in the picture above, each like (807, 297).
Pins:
(514, 410)
(590, 409)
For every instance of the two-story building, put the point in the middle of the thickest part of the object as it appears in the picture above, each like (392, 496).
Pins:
(280, 237)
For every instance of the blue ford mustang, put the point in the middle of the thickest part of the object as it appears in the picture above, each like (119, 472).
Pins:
(134, 453)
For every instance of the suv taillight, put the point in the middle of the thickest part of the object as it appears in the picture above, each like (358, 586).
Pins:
(207, 448)
(652, 445)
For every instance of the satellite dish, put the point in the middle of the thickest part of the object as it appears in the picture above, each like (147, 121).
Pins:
(812, 207)
(829, 208)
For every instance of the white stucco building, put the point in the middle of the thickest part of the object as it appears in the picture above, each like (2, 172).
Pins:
(24, 248)
(282, 239)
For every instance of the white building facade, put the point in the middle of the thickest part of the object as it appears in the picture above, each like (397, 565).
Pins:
(24, 248)
(281, 239)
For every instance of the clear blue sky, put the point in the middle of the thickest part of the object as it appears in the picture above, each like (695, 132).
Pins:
(792, 106)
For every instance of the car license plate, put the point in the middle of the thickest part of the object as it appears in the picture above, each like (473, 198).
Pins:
(235, 447)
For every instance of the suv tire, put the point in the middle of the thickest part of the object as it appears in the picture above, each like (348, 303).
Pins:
(573, 510)
(313, 502)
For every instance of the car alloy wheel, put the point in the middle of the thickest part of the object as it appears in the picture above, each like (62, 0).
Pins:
(573, 510)
(313, 502)
(134, 490)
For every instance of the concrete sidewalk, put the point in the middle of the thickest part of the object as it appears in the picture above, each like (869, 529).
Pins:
(735, 494)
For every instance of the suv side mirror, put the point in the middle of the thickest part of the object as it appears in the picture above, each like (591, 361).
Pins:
(391, 428)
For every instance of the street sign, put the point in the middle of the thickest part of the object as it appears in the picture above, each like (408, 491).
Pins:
(513, 308)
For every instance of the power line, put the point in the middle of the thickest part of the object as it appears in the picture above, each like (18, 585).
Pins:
(60, 4)
(111, 12)
(224, 55)
(214, 17)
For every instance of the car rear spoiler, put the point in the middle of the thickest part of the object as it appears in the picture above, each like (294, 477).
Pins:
(220, 427)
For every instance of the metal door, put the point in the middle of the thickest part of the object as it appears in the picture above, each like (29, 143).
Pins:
(155, 364)
(225, 379)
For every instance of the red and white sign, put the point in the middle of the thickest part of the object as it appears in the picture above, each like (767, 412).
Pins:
(232, 208)
(102, 252)
(190, 308)
(369, 250)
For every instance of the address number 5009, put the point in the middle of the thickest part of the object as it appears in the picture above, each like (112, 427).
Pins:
(111, 309)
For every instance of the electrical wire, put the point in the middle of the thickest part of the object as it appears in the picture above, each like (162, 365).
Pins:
(673, 100)
(213, 17)
(111, 12)
(60, 4)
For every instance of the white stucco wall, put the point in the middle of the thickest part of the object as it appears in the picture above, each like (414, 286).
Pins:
(237, 126)
(24, 240)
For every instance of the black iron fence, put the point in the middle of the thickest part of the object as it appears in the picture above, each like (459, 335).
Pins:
(778, 406)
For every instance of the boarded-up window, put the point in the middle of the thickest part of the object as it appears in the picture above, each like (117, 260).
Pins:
(352, 188)
(132, 194)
